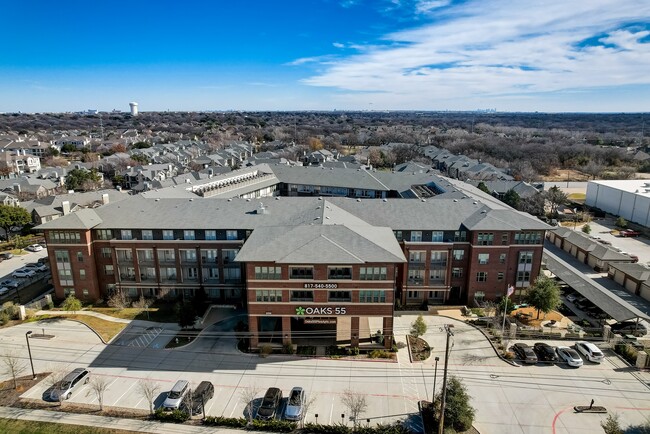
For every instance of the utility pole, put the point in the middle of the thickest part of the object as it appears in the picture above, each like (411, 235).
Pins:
(450, 333)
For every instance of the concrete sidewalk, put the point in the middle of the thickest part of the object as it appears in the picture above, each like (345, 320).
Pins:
(141, 426)
(84, 312)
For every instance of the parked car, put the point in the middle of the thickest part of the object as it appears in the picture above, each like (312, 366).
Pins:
(270, 404)
(63, 389)
(10, 283)
(295, 404)
(201, 395)
(525, 353)
(622, 328)
(176, 396)
(22, 273)
(6, 255)
(44, 260)
(545, 352)
(571, 298)
(590, 351)
(34, 248)
(3, 290)
(36, 266)
(629, 233)
(569, 356)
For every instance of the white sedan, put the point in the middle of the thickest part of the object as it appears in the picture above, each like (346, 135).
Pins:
(34, 248)
(569, 356)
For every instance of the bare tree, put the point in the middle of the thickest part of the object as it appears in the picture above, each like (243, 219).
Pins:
(247, 397)
(13, 365)
(355, 403)
(305, 408)
(98, 386)
(54, 380)
(149, 390)
(117, 300)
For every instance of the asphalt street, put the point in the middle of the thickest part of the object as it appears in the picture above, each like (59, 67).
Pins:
(508, 399)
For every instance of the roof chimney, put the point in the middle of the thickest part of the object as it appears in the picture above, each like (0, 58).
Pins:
(66, 207)
(17, 187)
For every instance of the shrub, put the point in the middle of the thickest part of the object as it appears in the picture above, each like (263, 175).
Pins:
(175, 416)
(4, 317)
(288, 349)
(233, 422)
(419, 327)
(50, 305)
(477, 311)
(265, 350)
(379, 354)
(306, 350)
(10, 309)
(508, 355)
(273, 425)
(315, 428)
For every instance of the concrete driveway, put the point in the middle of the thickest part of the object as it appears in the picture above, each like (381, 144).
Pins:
(508, 399)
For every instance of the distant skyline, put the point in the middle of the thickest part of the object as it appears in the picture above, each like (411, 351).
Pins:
(525, 55)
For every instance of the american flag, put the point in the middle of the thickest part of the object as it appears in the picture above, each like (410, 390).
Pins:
(511, 290)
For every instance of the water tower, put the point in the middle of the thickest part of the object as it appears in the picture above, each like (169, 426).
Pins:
(134, 108)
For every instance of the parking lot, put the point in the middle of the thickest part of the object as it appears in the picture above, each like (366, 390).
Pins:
(508, 399)
(22, 294)
(639, 246)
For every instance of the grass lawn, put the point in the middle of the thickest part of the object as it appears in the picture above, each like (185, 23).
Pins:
(106, 329)
(31, 427)
(578, 197)
(158, 312)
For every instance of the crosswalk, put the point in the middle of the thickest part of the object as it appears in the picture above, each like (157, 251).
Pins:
(139, 338)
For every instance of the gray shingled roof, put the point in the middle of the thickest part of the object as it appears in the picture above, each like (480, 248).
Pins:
(635, 271)
(326, 244)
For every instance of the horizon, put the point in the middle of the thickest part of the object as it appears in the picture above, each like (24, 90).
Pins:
(328, 55)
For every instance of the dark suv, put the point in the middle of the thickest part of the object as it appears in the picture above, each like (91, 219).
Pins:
(525, 353)
(201, 395)
(270, 404)
(545, 352)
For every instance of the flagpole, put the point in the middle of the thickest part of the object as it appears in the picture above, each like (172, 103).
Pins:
(505, 307)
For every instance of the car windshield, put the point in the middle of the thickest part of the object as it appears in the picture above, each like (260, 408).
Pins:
(295, 398)
(268, 402)
(174, 395)
(65, 385)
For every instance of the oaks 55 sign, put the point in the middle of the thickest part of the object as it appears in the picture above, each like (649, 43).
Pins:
(300, 311)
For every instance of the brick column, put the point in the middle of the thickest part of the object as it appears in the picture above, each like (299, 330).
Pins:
(286, 330)
(354, 331)
(253, 330)
(388, 332)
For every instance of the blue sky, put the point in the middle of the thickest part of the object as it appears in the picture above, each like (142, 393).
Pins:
(528, 55)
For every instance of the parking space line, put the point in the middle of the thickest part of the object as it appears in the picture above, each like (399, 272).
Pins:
(125, 392)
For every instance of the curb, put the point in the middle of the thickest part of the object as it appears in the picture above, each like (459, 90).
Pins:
(83, 323)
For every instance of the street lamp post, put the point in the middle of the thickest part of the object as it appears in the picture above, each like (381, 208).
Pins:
(29, 350)
(435, 374)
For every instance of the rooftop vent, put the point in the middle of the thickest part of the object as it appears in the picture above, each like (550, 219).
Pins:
(277, 197)
(320, 198)
(384, 200)
(424, 200)
(157, 199)
(191, 200)
(474, 203)
(455, 200)
(358, 200)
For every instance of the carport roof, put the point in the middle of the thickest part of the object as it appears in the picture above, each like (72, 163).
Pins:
(621, 308)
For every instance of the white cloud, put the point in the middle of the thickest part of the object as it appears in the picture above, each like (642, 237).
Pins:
(484, 49)
(424, 6)
(338, 45)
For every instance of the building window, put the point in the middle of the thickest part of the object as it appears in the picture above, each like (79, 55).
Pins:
(188, 235)
(338, 296)
(145, 255)
(107, 252)
(80, 257)
(460, 236)
(416, 277)
(229, 255)
(479, 295)
(528, 238)
(168, 234)
(84, 292)
(505, 239)
(188, 255)
(268, 273)
(413, 294)
(147, 234)
(82, 274)
(302, 295)
(398, 235)
(483, 258)
(231, 235)
(210, 235)
(456, 272)
(437, 236)
(437, 275)
(525, 257)
(126, 234)
(500, 276)
(372, 296)
(481, 276)
(232, 275)
(168, 274)
(190, 273)
(301, 272)
(166, 255)
(210, 274)
(211, 255)
(372, 273)
(502, 258)
(127, 273)
(147, 273)
(270, 296)
(65, 237)
(124, 255)
(417, 256)
(416, 236)
(523, 278)
(458, 255)
(104, 234)
(108, 270)
(485, 239)
(335, 273)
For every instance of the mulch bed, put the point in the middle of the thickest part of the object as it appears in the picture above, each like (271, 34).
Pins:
(431, 425)
(420, 349)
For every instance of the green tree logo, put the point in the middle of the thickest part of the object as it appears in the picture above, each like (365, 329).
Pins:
(300, 311)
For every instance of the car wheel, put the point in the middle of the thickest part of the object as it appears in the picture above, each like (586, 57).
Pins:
(86, 380)
(68, 396)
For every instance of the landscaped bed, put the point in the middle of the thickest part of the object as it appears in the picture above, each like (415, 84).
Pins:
(106, 329)
(420, 349)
